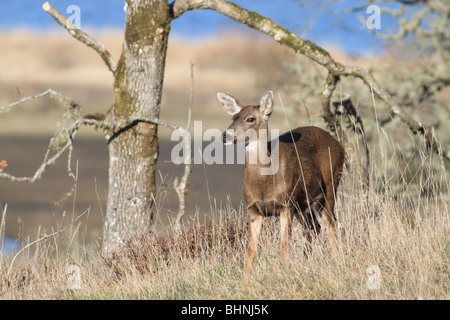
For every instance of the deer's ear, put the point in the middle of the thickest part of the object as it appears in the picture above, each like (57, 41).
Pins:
(230, 104)
(266, 104)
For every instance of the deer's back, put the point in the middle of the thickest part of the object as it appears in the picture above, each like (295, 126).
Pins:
(313, 143)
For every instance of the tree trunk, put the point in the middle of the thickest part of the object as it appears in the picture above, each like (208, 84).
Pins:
(133, 150)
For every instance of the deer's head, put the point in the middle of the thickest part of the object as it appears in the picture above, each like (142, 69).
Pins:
(247, 120)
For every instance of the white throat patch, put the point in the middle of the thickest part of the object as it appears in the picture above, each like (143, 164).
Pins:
(252, 146)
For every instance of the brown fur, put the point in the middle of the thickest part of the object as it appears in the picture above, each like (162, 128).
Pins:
(309, 171)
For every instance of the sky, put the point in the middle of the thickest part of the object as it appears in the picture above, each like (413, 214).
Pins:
(325, 26)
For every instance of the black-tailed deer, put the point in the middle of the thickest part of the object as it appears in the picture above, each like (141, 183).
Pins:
(303, 173)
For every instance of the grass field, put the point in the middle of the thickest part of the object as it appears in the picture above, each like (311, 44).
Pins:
(403, 236)
(395, 231)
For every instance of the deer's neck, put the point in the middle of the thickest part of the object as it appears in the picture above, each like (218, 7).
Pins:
(257, 151)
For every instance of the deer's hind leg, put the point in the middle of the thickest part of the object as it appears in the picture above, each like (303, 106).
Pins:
(326, 206)
(311, 226)
(331, 181)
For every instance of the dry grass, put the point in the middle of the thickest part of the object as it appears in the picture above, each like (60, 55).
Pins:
(400, 224)
(404, 234)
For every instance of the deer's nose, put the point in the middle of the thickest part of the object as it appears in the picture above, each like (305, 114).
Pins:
(227, 138)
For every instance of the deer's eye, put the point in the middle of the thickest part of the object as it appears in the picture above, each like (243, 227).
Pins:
(250, 120)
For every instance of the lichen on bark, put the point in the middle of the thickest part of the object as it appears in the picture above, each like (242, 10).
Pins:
(134, 148)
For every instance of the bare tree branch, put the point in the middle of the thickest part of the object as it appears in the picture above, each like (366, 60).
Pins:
(46, 162)
(264, 25)
(313, 52)
(61, 141)
(52, 93)
(405, 26)
(63, 138)
(81, 36)
(327, 93)
(180, 185)
(414, 126)
(356, 123)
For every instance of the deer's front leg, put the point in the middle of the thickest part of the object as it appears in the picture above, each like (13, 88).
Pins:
(254, 227)
(285, 223)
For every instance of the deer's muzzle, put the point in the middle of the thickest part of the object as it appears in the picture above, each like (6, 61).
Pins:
(228, 137)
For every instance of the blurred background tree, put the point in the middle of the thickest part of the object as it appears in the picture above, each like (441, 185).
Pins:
(413, 66)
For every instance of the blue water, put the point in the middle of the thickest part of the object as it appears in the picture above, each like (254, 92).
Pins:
(10, 246)
(324, 28)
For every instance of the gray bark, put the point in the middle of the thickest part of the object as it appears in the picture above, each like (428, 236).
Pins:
(133, 149)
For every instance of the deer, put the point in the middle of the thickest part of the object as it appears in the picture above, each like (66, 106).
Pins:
(307, 174)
